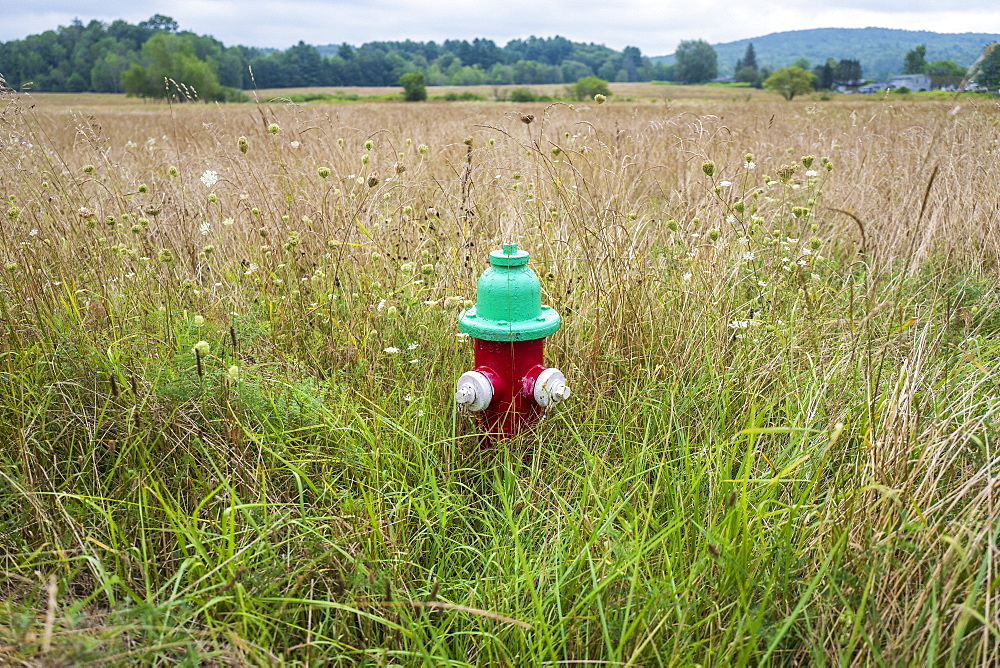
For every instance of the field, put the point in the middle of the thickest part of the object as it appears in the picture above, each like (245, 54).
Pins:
(228, 353)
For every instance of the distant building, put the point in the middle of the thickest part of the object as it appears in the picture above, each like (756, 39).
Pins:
(915, 82)
(874, 88)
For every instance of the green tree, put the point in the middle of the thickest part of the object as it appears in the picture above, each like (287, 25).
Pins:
(790, 81)
(171, 69)
(746, 68)
(915, 61)
(160, 22)
(697, 62)
(587, 87)
(747, 75)
(989, 68)
(848, 72)
(749, 59)
(944, 73)
(825, 74)
(414, 86)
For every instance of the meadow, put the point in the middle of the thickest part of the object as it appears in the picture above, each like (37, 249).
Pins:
(228, 349)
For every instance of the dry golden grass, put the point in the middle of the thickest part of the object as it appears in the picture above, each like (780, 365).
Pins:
(782, 446)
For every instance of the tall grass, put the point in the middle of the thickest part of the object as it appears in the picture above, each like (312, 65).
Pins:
(780, 325)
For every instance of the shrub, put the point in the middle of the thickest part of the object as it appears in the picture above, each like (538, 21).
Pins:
(587, 87)
(414, 86)
(522, 95)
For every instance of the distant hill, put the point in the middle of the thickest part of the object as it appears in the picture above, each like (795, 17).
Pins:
(880, 50)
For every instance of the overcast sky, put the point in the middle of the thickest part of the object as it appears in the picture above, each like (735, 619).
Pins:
(654, 26)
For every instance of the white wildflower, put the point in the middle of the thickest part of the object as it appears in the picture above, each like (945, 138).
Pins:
(210, 178)
(205, 227)
(750, 164)
(812, 172)
(391, 350)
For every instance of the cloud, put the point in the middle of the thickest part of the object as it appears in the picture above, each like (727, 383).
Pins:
(652, 25)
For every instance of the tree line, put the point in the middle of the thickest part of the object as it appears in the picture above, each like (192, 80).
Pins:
(138, 59)
(155, 59)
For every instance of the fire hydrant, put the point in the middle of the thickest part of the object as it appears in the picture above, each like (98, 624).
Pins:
(508, 324)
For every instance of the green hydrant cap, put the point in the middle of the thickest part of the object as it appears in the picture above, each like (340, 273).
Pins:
(509, 301)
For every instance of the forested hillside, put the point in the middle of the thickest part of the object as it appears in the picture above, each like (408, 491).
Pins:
(880, 50)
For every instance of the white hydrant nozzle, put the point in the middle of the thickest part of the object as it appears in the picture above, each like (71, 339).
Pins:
(550, 388)
(474, 392)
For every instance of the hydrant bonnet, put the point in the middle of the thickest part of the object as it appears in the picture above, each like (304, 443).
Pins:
(509, 301)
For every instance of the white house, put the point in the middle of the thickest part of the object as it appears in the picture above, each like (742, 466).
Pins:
(915, 82)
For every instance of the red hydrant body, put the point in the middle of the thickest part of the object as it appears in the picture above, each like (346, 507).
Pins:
(510, 385)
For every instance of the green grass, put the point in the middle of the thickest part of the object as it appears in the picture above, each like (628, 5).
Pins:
(780, 449)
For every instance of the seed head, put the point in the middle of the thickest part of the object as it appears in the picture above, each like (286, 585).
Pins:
(143, 188)
(274, 128)
(202, 348)
(600, 99)
(709, 168)
(243, 144)
(198, 320)
(422, 149)
(373, 180)
(88, 169)
(365, 158)
(468, 141)
(165, 256)
(786, 172)
(324, 172)
(713, 234)
(807, 161)
(172, 170)
(369, 145)
(13, 213)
